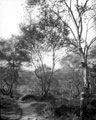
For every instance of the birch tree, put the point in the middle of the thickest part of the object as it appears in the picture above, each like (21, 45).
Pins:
(80, 16)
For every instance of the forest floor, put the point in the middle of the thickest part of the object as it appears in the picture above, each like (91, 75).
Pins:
(31, 110)
(28, 111)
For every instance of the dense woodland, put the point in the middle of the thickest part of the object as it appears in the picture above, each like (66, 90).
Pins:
(64, 32)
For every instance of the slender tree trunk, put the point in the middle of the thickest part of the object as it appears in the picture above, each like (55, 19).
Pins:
(85, 93)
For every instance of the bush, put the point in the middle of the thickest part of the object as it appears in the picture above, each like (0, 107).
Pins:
(48, 111)
(9, 106)
(72, 117)
(7, 102)
(64, 110)
(89, 108)
(28, 97)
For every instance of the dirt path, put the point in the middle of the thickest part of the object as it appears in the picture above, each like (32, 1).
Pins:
(30, 110)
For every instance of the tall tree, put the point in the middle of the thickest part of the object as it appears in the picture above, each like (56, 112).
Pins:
(77, 12)
(80, 15)
(43, 37)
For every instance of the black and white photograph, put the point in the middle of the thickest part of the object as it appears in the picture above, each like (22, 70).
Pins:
(48, 59)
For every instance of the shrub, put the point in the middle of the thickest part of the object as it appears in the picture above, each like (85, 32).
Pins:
(48, 111)
(9, 106)
(62, 110)
(67, 109)
(28, 97)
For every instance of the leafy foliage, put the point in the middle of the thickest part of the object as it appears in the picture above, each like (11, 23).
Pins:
(13, 57)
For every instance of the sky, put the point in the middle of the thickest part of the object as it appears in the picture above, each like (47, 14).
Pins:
(11, 14)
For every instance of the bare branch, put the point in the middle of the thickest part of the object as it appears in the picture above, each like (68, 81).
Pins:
(86, 3)
(92, 41)
(68, 26)
(71, 12)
